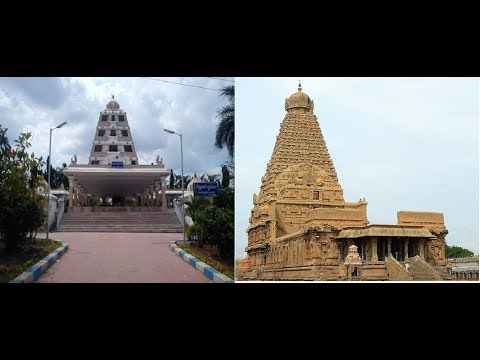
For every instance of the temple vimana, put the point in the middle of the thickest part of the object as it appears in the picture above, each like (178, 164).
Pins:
(301, 227)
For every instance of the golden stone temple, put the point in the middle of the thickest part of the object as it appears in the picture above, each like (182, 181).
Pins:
(301, 228)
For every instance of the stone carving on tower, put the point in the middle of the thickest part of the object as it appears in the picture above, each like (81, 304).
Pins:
(300, 174)
(113, 139)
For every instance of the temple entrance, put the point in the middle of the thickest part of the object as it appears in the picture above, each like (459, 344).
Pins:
(398, 249)
(412, 248)
(381, 248)
(360, 244)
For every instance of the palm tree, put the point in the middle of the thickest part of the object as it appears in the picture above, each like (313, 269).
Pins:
(226, 127)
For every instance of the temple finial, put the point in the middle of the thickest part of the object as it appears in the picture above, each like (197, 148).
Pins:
(299, 86)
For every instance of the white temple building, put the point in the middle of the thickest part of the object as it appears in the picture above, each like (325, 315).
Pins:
(113, 171)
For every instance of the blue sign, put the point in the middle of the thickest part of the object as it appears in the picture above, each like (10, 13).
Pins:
(117, 164)
(205, 189)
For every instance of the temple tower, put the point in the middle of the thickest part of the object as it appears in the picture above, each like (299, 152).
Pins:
(113, 139)
(299, 176)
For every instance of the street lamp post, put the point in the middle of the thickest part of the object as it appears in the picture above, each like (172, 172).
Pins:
(48, 170)
(183, 199)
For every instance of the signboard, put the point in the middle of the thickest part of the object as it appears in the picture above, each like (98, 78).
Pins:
(205, 189)
(117, 164)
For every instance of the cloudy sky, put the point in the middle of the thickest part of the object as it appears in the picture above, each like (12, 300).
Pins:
(402, 143)
(36, 104)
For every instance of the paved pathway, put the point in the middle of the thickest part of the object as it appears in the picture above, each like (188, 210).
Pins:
(119, 257)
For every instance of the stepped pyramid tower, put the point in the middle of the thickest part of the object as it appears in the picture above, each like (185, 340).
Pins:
(113, 139)
(113, 174)
(301, 228)
(300, 174)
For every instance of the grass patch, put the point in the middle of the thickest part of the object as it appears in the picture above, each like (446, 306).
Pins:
(208, 255)
(12, 265)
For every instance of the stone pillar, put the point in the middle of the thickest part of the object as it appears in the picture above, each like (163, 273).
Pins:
(146, 196)
(75, 195)
(70, 191)
(164, 198)
(405, 247)
(374, 256)
(421, 248)
(389, 246)
(80, 196)
(157, 193)
(152, 192)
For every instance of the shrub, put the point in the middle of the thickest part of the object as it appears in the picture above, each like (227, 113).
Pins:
(22, 209)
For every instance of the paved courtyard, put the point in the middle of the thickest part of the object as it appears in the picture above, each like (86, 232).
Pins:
(119, 258)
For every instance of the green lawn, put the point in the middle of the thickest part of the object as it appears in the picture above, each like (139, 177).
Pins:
(12, 265)
(209, 256)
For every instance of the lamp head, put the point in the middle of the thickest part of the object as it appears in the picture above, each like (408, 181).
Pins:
(59, 126)
(169, 131)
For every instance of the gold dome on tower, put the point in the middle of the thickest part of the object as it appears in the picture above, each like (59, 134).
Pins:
(299, 100)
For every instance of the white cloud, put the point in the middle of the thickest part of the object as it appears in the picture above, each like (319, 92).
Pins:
(37, 104)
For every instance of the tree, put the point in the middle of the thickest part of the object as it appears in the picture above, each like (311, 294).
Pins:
(172, 179)
(57, 178)
(225, 199)
(197, 204)
(22, 209)
(178, 181)
(210, 177)
(456, 252)
(215, 226)
(225, 135)
(225, 176)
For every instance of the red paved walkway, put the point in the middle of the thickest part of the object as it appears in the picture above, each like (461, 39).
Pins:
(119, 257)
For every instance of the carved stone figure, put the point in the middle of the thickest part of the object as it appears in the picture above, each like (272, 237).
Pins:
(159, 161)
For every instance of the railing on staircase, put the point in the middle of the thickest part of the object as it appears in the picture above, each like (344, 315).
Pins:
(60, 210)
(178, 211)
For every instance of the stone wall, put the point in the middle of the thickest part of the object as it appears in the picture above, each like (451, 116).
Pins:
(423, 218)
(340, 217)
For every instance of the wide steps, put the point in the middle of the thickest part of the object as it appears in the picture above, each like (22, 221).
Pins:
(128, 222)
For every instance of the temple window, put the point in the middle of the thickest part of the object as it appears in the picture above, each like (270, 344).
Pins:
(316, 195)
(94, 162)
(104, 117)
(128, 148)
(98, 148)
(124, 133)
(112, 148)
(134, 162)
(101, 132)
(112, 118)
(121, 118)
(113, 133)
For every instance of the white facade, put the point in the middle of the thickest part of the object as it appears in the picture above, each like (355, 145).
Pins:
(113, 139)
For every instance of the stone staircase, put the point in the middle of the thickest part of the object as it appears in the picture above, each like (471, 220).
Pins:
(421, 270)
(121, 221)
(396, 271)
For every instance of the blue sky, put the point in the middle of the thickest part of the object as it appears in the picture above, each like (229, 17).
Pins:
(402, 143)
(36, 104)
